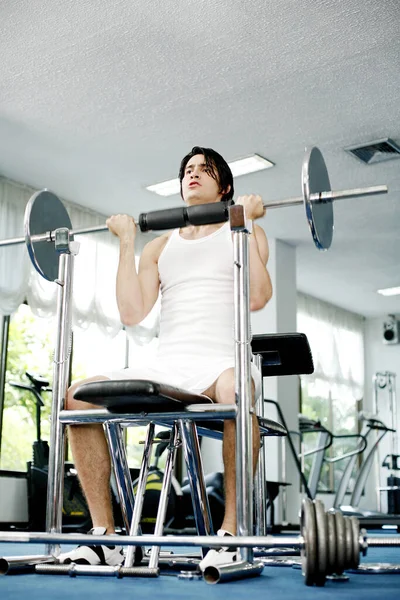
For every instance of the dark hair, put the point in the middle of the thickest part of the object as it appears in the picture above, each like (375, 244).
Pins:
(217, 166)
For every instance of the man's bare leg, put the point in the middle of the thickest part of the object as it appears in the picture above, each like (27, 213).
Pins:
(229, 456)
(92, 461)
(223, 391)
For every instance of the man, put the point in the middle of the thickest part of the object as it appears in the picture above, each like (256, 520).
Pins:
(193, 269)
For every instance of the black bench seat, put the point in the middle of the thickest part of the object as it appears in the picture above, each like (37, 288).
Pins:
(145, 396)
(137, 395)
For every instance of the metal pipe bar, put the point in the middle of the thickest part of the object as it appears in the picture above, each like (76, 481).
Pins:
(211, 541)
(243, 396)
(330, 196)
(393, 410)
(231, 572)
(208, 541)
(164, 495)
(203, 412)
(74, 569)
(295, 201)
(18, 564)
(62, 349)
(377, 462)
(373, 190)
(134, 528)
(114, 435)
(195, 472)
(260, 479)
(383, 542)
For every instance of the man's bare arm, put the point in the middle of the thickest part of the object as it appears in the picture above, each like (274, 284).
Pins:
(260, 281)
(136, 293)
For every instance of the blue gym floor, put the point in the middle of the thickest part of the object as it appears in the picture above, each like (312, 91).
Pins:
(283, 583)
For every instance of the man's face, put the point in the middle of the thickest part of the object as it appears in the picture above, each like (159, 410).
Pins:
(198, 184)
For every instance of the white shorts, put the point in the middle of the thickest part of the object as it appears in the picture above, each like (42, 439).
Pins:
(171, 375)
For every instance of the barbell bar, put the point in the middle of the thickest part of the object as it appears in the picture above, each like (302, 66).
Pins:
(317, 198)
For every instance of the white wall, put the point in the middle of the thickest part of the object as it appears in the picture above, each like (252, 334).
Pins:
(380, 357)
(13, 499)
(278, 316)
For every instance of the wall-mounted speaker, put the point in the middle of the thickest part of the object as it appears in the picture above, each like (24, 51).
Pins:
(391, 330)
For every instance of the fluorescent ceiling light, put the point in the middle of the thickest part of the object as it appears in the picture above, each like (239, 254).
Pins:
(251, 164)
(243, 166)
(166, 188)
(394, 291)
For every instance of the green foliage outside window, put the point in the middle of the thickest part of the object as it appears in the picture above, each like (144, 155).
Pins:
(30, 348)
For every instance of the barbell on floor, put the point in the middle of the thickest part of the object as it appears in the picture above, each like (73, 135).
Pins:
(330, 543)
(45, 213)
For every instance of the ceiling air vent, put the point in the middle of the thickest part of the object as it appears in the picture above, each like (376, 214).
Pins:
(375, 152)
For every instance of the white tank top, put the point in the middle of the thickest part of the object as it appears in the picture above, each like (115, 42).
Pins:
(197, 314)
(196, 342)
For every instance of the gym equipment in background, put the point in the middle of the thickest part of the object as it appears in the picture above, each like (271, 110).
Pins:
(386, 381)
(75, 513)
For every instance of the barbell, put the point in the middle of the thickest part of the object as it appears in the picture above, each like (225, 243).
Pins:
(330, 543)
(45, 214)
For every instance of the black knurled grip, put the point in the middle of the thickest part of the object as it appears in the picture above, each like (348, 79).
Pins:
(173, 218)
(169, 218)
(206, 214)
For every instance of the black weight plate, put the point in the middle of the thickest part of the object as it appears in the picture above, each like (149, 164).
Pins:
(340, 543)
(322, 543)
(315, 179)
(44, 212)
(331, 543)
(309, 533)
(355, 524)
(348, 534)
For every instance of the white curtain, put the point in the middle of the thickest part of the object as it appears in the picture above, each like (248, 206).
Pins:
(336, 338)
(94, 299)
(14, 262)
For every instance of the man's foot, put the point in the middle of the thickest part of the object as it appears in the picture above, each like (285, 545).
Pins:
(219, 556)
(95, 555)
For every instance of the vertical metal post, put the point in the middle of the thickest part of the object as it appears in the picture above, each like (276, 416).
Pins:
(3, 367)
(244, 445)
(331, 466)
(194, 466)
(260, 480)
(377, 461)
(134, 528)
(116, 445)
(284, 479)
(164, 495)
(60, 381)
(393, 410)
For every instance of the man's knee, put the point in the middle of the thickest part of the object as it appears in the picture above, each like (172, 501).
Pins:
(225, 388)
(71, 403)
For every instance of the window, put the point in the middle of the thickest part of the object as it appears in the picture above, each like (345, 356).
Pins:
(334, 392)
(29, 349)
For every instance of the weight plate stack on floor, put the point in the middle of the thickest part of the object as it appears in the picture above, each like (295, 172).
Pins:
(309, 533)
(322, 543)
(348, 535)
(340, 543)
(355, 525)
